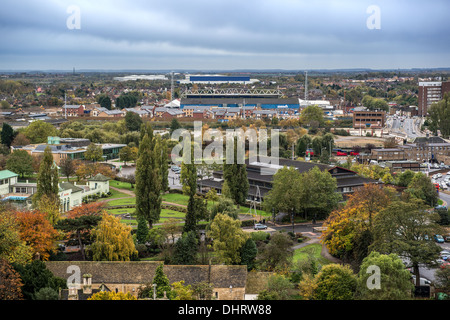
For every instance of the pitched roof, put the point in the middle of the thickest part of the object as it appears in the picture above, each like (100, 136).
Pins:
(99, 177)
(142, 272)
(66, 186)
(5, 174)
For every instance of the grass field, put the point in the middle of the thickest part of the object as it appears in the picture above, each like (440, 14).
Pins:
(312, 250)
(121, 185)
(122, 202)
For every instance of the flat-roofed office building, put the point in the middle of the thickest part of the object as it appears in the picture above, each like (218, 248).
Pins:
(431, 92)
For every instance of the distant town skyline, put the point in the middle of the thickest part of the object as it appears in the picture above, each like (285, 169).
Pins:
(223, 35)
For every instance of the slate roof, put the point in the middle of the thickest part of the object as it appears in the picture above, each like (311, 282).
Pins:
(99, 177)
(142, 272)
(66, 186)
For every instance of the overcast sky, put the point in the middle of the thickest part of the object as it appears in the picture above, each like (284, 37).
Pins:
(223, 34)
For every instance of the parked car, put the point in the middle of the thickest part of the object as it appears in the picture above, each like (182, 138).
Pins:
(353, 153)
(444, 255)
(260, 226)
(438, 238)
(423, 281)
(447, 238)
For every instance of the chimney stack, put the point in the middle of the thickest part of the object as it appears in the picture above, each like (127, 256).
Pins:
(87, 284)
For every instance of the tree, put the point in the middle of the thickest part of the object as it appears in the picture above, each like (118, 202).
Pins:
(318, 192)
(422, 188)
(335, 282)
(394, 282)
(162, 150)
(442, 279)
(186, 249)
(20, 140)
(133, 121)
(277, 254)
(228, 238)
(20, 162)
(67, 167)
(94, 152)
(285, 194)
(47, 181)
(7, 135)
(196, 211)
(10, 282)
(142, 230)
(406, 229)
(235, 174)
(46, 294)
(404, 178)
(174, 125)
(79, 228)
(182, 292)
(439, 115)
(12, 247)
(37, 232)
(248, 253)
(125, 154)
(278, 288)
(38, 131)
(35, 276)
(302, 145)
(148, 179)
(112, 240)
(111, 295)
(224, 206)
(104, 101)
(162, 283)
(312, 116)
(349, 230)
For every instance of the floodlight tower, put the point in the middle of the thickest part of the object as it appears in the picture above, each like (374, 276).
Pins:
(171, 88)
(306, 87)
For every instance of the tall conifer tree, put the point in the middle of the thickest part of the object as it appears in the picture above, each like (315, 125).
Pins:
(47, 180)
(148, 178)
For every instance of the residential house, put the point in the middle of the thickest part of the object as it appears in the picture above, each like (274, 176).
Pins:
(73, 110)
(115, 113)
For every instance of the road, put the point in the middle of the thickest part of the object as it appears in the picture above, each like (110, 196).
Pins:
(409, 127)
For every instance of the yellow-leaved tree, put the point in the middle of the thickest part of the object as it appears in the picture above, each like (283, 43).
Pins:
(112, 240)
(111, 295)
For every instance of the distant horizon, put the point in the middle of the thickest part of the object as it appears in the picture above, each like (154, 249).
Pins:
(182, 70)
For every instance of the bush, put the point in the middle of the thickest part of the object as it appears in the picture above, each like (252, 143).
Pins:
(46, 294)
(260, 236)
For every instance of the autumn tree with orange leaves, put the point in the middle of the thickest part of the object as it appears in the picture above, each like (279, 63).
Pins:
(10, 282)
(37, 232)
(348, 232)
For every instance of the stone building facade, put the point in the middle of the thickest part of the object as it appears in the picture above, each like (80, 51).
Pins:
(228, 281)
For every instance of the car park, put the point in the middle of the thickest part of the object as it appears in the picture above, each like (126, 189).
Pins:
(259, 226)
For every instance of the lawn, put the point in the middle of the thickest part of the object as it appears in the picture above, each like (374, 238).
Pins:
(123, 202)
(312, 250)
(176, 198)
(121, 185)
(117, 194)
